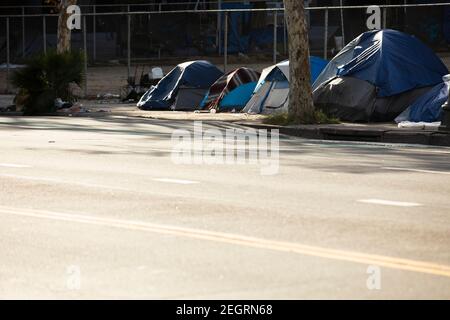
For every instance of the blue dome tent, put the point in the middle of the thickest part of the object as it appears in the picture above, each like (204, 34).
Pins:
(183, 88)
(383, 66)
(232, 91)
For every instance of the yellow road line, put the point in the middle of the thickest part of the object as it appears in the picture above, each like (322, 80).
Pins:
(235, 239)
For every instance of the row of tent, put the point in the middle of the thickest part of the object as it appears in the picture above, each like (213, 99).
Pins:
(380, 76)
(201, 85)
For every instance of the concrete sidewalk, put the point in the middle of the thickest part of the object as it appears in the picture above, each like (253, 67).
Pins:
(385, 132)
(113, 107)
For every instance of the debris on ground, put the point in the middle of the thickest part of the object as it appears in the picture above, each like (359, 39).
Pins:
(419, 125)
(68, 107)
(59, 104)
(108, 96)
(11, 108)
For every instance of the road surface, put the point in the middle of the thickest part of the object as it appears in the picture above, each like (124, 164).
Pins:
(96, 208)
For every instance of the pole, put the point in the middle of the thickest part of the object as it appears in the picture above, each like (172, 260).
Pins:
(7, 55)
(94, 35)
(325, 40)
(285, 33)
(405, 15)
(275, 36)
(44, 33)
(225, 52)
(445, 124)
(129, 46)
(384, 17)
(219, 26)
(342, 24)
(23, 32)
(85, 55)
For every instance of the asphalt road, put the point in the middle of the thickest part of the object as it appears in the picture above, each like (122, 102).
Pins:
(96, 208)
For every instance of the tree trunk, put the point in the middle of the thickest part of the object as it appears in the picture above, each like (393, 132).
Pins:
(301, 106)
(64, 33)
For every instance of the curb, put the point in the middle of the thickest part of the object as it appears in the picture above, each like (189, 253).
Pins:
(57, 114)
(323, 132)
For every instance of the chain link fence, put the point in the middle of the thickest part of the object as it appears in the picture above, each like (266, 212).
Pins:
(125, 41)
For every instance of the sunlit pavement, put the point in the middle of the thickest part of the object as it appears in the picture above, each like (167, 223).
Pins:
(96, 208)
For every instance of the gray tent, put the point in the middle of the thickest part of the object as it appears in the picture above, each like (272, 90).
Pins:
(188, 99)
(377, 76)
(355, 100)
(271, 94)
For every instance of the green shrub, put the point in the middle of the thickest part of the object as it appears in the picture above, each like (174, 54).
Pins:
(47, 77)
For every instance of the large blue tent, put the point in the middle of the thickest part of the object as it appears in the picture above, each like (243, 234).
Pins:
(377, 76)
(392, 61)
(184, 86)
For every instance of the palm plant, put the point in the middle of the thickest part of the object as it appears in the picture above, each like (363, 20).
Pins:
(47, 77)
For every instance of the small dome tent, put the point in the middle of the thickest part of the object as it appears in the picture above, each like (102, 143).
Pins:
(272, 91)
(183, 88)
(232, 91)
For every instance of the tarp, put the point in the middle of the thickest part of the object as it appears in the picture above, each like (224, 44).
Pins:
(194, 74)
(232, 91)
(392, 61)
(427, 108)
(317, 66)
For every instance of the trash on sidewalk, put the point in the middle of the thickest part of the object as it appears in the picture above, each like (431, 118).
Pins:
(136, 88)
(419, 125)
(59, 104)
(11, 108)
(108, 95)
(68, 107)
(106, 98)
